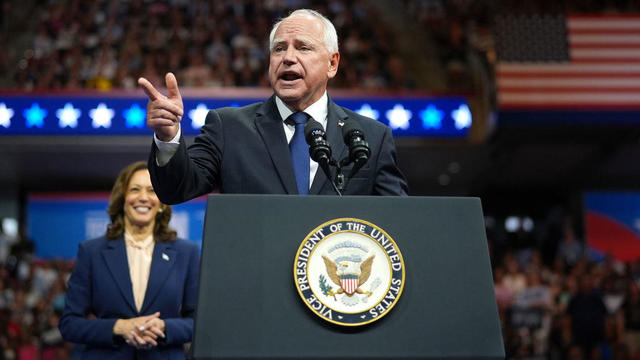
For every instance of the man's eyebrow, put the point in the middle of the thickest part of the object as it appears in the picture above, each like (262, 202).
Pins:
(276, 42)
(304, 40)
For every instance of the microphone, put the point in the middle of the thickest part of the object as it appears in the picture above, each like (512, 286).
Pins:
(319, 149)
(359, 151)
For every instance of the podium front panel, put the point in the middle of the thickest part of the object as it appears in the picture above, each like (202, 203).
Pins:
(248, 305)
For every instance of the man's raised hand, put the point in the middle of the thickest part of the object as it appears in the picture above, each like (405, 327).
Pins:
(163, 113)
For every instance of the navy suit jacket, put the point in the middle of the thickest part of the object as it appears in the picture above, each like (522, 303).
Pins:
(245, 150)
(100, 286)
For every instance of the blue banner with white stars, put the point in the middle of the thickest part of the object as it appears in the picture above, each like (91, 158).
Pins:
(125, 115)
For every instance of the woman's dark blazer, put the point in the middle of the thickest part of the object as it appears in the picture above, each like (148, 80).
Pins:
(99, 292)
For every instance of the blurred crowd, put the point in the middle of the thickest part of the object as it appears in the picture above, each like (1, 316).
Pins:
(104, 44)
(559, 299)
(563, 301)
(461, 33)
(31, 301)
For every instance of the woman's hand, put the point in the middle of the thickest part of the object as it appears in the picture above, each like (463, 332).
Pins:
(148, 333)
(153, 328)
(135, 332)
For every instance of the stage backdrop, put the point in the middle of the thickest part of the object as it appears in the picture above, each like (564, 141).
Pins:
(123, 113)
(57, 222)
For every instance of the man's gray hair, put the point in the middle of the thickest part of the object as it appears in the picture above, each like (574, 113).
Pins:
(330, 35)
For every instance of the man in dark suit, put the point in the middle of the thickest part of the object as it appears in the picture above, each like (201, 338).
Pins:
(245, 150)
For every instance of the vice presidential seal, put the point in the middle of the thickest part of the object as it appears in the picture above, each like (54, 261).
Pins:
(349, 272)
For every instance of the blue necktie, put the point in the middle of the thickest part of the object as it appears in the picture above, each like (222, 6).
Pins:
(300, 153)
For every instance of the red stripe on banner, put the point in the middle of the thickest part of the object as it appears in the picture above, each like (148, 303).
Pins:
(514, 105)
(598, 46)
(611, 31)
(567, 67)
(576, 90)
(608, 17)
(556, 75)
(599, 60)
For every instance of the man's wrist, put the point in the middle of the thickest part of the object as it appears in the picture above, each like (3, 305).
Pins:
(174, 140)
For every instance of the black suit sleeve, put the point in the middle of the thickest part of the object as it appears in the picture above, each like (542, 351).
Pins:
(388, 179)
(190, 172)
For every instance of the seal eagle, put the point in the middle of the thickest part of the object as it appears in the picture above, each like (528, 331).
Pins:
(348, 276)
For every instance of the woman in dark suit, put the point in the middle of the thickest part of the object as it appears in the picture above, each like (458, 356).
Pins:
(132, 294)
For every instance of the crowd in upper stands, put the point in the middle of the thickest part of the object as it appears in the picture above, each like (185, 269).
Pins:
(103, 44)
(109, 44)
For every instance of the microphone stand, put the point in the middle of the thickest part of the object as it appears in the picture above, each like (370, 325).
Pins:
(340, 181)
(337, 183)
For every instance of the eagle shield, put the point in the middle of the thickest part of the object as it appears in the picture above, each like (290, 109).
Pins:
(349, 275)
(349, 283)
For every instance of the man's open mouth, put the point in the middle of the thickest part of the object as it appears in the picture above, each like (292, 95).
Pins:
(290, 76)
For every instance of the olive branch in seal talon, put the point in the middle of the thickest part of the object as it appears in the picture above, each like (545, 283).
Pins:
(326, 289)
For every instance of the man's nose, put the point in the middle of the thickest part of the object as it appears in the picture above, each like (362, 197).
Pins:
(290, 55)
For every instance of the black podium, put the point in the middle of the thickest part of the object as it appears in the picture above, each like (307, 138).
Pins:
(249, 308)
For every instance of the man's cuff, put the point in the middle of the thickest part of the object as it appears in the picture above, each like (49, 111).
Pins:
(167, 149)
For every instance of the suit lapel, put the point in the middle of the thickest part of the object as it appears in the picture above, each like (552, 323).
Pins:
(115, 256)
(335, 116)
(164, 256)
(269, 125)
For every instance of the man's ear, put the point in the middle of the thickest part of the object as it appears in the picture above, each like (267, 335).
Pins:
(334, 60)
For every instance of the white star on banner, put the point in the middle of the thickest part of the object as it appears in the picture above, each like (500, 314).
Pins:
(5, 115)
(366, 110)
(398, 117)
(198, 115)
(101, 116)
(68, 116)
(462, 117)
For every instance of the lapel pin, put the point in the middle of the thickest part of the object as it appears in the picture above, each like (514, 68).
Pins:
(165, 257)
(340, 123)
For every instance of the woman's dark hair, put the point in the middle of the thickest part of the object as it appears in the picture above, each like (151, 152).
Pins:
(161, 230)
